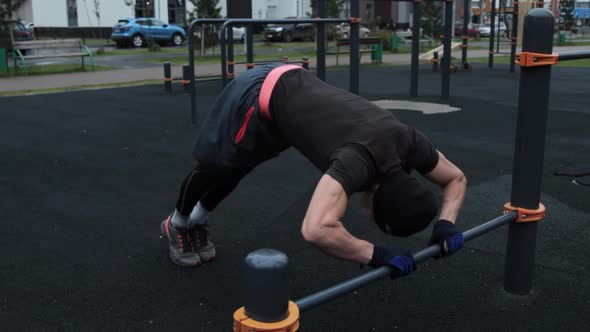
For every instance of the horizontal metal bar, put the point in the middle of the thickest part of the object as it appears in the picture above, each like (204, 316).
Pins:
(348, 286)
(205, 21)
(576, 55)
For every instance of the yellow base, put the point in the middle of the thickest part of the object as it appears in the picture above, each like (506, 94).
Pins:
(243, 323)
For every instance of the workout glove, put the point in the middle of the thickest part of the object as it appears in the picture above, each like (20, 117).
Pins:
(398, 258)
(447, 236)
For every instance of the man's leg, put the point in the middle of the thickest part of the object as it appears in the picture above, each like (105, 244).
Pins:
(198, 219)
(175, 227)
(187, 229)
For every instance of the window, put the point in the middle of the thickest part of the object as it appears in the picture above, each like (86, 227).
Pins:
(177, 11)
(72, 13)
(144, 8)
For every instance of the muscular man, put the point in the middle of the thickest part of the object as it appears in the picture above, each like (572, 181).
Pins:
(358, 146)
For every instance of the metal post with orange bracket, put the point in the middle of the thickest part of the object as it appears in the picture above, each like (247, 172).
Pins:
(535, 61)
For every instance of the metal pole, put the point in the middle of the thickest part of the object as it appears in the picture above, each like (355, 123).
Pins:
(492, 32)
(415, 48)
(249, 46)
(230, 52)
(514, 35)
(446, 64)
(191, 63)
(321, 41)
(348, 286)
(191, 60)
(355, 59)
(529, 151)
(465, 36)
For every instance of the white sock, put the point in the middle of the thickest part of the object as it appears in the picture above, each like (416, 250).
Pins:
(198, 215)
(178, 220)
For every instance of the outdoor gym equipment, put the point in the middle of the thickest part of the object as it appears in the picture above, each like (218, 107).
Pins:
(267, 306)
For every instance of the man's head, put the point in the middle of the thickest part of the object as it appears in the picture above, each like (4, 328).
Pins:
(402, 206)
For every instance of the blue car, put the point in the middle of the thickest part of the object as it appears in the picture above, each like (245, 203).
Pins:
(137, 30)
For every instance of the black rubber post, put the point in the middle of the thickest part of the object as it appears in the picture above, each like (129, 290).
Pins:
(167, 77)
(492, 34)
(305, 63)
(188, 78)
(446, 63)
(321, 41)
(266, 287)
(514, 36)
(533, 101)
(435, 62)
(465, 34)
(417, 14)
(355, 59)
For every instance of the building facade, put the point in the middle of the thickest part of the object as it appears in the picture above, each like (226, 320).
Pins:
(83, 13)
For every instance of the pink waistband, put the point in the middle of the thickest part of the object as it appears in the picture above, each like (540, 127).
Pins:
(268, 85)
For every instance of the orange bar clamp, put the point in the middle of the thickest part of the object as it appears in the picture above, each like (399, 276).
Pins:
(243, 323)
(530, 59)
(526, 215)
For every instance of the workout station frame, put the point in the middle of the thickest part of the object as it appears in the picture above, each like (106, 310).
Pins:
(267, 306)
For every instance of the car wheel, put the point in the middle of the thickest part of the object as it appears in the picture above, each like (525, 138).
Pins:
(288, 37)
(137, 40)
(177, 39)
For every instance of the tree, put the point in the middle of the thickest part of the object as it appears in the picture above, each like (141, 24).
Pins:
(131, 5)
(333, 8)
(567, 13)
(206, 9)
(432, 18)
(7, 7)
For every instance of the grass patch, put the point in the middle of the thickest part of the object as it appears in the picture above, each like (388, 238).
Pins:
(77, 88)
(52, 69)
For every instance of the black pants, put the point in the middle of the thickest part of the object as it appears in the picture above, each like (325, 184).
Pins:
(209, 186)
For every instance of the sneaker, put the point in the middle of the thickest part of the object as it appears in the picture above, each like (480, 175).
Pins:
(179, 245)
(201, 244)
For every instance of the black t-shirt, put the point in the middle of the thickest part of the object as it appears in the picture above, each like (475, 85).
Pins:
(344, 135)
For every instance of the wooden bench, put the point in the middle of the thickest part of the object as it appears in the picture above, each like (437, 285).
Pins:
(63, 48)
(362, 41)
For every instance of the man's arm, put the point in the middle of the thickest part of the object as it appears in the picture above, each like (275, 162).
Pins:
(454, 185)
(322, 227)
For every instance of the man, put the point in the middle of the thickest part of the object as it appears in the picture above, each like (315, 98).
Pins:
(358, 146)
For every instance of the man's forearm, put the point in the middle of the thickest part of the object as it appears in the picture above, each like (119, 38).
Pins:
(336, 241)
(453, 195)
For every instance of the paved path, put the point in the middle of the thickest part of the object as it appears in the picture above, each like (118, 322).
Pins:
(151, 72)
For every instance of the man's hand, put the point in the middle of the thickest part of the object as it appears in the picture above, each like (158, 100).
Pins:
(398, 258)
(447, 236)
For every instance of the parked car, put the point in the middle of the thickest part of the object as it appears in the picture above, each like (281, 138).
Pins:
(486, 28)
(239, 34)
(137, 30)
(471, 31)
(20, 32)
(343, 31)
(289, 31)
